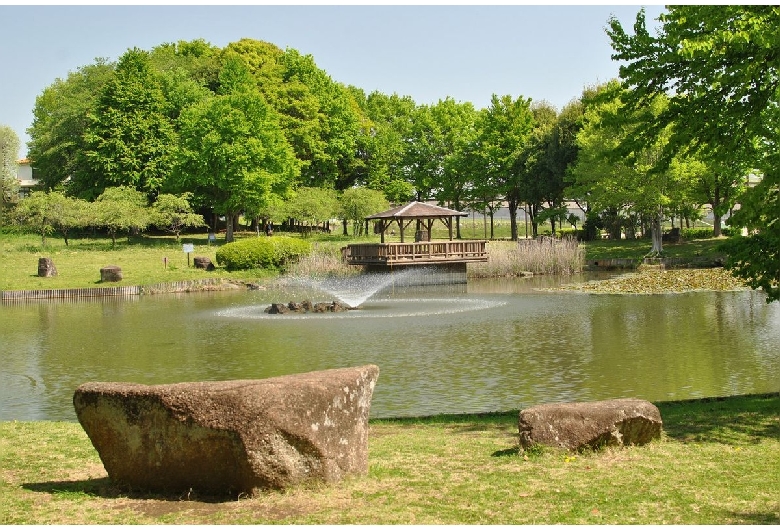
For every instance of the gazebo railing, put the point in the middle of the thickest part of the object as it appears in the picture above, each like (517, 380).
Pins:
(419, 252)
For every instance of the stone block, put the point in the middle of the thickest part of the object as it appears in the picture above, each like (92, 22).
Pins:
(111, 273)
(576, 426)
(231, 437)
(203, 262)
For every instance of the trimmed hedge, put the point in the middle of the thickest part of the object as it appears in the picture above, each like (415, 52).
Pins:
(262, 253)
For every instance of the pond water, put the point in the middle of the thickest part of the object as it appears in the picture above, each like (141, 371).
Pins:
(489, 345)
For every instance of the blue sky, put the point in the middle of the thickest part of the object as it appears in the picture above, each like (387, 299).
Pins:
(427, 52)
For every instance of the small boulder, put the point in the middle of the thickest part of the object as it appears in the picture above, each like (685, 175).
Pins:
(111, 273)
(277, 309)
(575, 426)
(46, 268)
(231, 437)
(203, 262)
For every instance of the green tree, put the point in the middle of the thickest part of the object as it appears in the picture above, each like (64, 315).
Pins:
(122, 209)
(328, 141)
(720, 67)
(129, 136)
(9, 151)
(60, 119)
(173, 213)
(198, 61)
(539, 182)
(358, 203)
(232, 153)
(503, 130)
(312, 205)
(386, 141)
(45, 212)
(437, 156)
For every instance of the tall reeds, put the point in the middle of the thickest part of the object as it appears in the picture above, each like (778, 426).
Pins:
(536, 256)
(324, 260)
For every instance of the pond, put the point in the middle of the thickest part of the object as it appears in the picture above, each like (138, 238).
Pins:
(489, 345)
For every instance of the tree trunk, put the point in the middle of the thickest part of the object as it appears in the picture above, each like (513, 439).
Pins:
(717, 217)
(513, 219)
(657, 235)
(229, 227)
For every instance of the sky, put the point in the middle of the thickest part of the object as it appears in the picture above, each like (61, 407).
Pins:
(466, 52)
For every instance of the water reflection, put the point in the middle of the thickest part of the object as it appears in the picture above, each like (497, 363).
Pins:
(489, 345)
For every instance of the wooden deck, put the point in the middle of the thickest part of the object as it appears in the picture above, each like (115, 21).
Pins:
(419, 253)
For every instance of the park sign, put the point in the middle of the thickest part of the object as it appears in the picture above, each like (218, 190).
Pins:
(188, 248)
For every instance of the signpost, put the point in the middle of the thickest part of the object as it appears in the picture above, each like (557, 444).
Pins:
(188, 248)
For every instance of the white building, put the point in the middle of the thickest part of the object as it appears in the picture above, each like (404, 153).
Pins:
(24, 174)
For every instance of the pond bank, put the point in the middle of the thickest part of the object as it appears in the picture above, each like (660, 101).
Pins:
(184, 286)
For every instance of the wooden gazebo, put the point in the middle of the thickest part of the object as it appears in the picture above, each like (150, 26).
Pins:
(424, 214)
(423, 251)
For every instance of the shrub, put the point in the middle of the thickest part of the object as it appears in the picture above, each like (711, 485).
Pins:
(262, 253)
(696, 233)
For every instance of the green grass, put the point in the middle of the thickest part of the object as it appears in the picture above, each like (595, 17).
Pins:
(718, 462)
(639, 248)
(142, 258)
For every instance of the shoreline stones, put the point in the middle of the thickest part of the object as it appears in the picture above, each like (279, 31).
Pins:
(231, 437)
(307, 307)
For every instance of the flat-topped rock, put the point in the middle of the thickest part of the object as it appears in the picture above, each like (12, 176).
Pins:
(111, 273)
(576, 426)
(231, 437)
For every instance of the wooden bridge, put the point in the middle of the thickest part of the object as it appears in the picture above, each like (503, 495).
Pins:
(418, 253)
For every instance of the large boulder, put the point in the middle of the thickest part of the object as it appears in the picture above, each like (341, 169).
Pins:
(576, 426)
(231, 437)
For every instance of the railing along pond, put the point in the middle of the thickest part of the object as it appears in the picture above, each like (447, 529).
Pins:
(419, 252)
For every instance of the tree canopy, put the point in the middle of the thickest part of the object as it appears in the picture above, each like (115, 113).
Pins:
(720, 68)
(9, 149)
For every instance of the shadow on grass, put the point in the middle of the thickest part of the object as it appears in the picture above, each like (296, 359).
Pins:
(103, 487)
(731, 420)
(728, 420)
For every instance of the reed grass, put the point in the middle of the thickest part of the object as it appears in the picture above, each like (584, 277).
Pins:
(519, 258)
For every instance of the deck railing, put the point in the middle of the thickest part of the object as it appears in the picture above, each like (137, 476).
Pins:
(420, 252)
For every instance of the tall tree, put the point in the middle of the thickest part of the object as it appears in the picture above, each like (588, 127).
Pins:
(539, 182)
(503, 131)
(232, 153)
(129, 136)
(9, 153)
(387, 142)
(60, 119)
(720, 67)
(456, 128)
(335, 120)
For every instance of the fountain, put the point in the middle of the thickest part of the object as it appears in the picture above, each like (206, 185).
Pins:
(357, 296)
(353, 291)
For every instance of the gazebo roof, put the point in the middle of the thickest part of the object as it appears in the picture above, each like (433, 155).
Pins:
(417, 210)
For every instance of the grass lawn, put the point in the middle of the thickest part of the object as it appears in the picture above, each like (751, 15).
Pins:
(149, 260)
(718, 462)
(638, 248)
